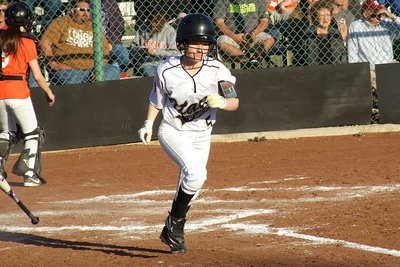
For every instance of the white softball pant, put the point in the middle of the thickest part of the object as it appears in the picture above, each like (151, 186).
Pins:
(190, 150)
(19, 111)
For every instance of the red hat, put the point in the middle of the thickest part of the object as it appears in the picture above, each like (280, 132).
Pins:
(373, 5)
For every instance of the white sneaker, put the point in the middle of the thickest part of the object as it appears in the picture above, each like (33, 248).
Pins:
(32, 181)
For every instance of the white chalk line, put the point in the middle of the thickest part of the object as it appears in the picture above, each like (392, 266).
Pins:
(129, 198)
(224, 221)
(317, 240)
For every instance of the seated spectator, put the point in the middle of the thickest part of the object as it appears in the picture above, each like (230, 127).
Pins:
(154, 41)
(114, 26)
(242, 26)
(3, 7)
(68, 45)
(323, 41)
(51, 10)
(370, 39)
(342, 17)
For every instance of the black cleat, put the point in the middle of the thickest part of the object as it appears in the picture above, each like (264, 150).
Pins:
(173, 234)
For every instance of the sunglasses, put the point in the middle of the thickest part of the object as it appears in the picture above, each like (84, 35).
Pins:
(82, 9)
(3, 10)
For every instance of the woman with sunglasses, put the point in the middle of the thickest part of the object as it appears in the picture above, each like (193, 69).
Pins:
(19, 53)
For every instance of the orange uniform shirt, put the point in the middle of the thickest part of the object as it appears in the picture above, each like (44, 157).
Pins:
(17, 65)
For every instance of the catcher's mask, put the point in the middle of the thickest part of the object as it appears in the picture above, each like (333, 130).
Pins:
(196, 27)
(19, 14)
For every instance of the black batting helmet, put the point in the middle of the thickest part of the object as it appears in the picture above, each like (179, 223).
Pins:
(19, 14)
(195, 27)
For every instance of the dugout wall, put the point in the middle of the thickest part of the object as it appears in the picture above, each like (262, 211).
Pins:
(105, 113)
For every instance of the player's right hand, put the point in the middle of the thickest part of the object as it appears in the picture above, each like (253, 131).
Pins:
(146, 131)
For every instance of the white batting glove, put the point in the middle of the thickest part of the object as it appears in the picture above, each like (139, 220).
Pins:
(216, 101)
(146, 131)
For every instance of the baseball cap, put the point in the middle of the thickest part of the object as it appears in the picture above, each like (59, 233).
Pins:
(373, 5)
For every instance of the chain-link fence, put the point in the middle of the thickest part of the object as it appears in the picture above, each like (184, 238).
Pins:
(136, 35)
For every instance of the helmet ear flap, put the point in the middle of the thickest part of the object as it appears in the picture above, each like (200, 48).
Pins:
(182, 45)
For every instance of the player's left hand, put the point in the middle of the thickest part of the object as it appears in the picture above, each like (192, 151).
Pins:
(146, 131)
(216, 101)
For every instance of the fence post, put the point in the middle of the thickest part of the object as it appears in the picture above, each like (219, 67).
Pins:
(98, 40)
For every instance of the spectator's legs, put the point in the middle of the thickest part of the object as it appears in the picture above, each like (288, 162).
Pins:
(120, 54)
(71, 76)
(111, 72)
(31, 82)
(231, 49)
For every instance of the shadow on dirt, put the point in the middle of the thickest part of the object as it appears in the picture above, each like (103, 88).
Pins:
(36, 240)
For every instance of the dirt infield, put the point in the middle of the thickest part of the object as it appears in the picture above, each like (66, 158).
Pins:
(316, 201)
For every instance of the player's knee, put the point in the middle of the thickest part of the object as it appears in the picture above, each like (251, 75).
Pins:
(37, 134)
(194, 180)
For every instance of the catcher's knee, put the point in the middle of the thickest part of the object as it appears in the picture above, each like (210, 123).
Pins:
(194, 181)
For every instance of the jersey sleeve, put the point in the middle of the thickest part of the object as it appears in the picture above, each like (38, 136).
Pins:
(225, 75)
(157, 94)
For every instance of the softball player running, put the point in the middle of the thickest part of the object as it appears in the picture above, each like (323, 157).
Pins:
(19, 54)
(188, 89)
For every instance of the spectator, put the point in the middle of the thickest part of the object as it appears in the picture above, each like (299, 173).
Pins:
(68, 44)
(242, 24)
(114, 26)
(154, 41)
(323, 41)
(51, 10)
(342, 17)
(3, 8)
(370, 40)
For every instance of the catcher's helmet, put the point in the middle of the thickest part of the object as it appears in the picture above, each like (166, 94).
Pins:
(195, 27)
(19, 14)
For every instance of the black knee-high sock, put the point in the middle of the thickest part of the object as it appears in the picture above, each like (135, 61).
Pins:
(181, 204)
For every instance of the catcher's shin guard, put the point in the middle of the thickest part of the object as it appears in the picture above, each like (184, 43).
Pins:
(173, 234)
(21, 166)
(6, 146)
